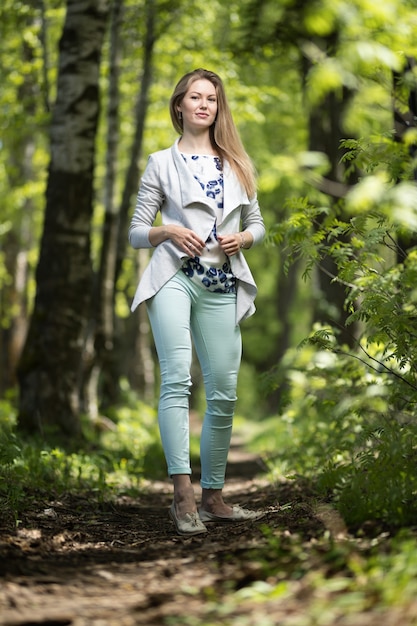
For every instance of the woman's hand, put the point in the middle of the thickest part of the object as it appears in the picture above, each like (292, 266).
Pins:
(184, 238)
(231, 244)
(187, 240)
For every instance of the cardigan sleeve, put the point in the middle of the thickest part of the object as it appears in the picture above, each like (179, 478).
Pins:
(148, 202)
(252, 220)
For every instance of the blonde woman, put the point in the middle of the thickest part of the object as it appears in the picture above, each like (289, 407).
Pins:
(198, 286)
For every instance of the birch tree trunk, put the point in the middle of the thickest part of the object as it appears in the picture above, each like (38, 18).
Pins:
(50, 363)
(117, 347)
(132, 176)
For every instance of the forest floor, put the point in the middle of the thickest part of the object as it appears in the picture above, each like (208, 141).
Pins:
(80, 562)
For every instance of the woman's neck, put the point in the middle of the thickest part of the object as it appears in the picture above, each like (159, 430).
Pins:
(196, 145)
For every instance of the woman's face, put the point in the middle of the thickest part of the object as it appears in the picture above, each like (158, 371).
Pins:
(199, 105)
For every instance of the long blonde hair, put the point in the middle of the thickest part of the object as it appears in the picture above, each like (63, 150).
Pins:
(224, 136)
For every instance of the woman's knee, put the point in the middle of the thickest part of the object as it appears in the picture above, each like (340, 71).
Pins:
(221, 407)
(175, 385)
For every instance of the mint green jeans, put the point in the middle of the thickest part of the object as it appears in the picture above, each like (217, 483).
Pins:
(183, 314)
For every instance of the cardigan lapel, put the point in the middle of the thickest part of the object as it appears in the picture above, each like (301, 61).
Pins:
(190, 188)
(191, 191)
(234, 194)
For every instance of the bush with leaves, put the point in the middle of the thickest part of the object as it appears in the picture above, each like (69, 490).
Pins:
(350, 412)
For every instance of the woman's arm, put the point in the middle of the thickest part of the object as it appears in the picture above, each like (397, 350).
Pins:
(253, 230)
(148, 202)
(252, 222)
(150, 198)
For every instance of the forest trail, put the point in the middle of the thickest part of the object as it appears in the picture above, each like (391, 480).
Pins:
(81, 563)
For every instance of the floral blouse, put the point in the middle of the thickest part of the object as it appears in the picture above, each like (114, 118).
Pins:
(212, 268)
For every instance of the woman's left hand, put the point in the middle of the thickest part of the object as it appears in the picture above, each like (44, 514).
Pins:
(231, 244)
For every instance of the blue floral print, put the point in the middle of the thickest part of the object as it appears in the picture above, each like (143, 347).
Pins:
(213, 188)
(217, 279)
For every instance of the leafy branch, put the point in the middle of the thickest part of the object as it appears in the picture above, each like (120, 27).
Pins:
(322, 339)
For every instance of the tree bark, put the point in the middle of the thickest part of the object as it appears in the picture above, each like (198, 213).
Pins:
(50, 364)
(120, 348)
(99, 368)
(140, 375)
(286, 293)
(132, 176)
(403, 121)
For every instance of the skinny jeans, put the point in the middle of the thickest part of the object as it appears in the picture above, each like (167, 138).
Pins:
(181, 314)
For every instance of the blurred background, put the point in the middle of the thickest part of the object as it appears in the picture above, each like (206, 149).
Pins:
(324, 95)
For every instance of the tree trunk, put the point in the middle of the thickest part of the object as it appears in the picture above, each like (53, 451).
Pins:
(13, 307)
(403, 121)
(100, 370)
(141, 377)
(286, 293)
(325, 135)
(132, 176)
(50, 364)
(142, 358)
(118, 348)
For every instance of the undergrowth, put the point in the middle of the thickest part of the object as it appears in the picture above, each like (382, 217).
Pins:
(340, 431)
(113, 458)
(347, 418)
(320, 583)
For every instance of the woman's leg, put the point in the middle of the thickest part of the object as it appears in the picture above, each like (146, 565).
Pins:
(218, 345)
(169, 315)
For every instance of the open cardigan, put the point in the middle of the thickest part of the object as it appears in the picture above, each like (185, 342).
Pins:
(168, 186)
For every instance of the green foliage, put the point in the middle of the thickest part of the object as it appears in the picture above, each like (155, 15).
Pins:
(373, 574)
(380, 293)
(270, 91)
(319, 582)
(114, 459)
(349, 419)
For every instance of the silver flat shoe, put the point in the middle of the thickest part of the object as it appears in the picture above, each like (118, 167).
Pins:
(188, 525)
(238, 515)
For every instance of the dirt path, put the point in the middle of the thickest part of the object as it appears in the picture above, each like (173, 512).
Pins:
(78, 562)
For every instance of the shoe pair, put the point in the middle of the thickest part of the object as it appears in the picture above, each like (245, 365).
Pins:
(192, 523)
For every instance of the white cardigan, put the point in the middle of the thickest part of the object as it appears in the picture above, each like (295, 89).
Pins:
(168, 186)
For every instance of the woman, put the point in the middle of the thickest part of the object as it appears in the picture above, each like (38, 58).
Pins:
(198, 286)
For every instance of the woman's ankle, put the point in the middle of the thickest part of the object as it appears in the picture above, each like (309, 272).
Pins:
(184, 497)
(212, 501)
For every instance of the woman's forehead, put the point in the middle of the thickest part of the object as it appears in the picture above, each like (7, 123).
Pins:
(203, 86)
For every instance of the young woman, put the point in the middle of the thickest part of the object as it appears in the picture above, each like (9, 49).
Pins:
(198, 286)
